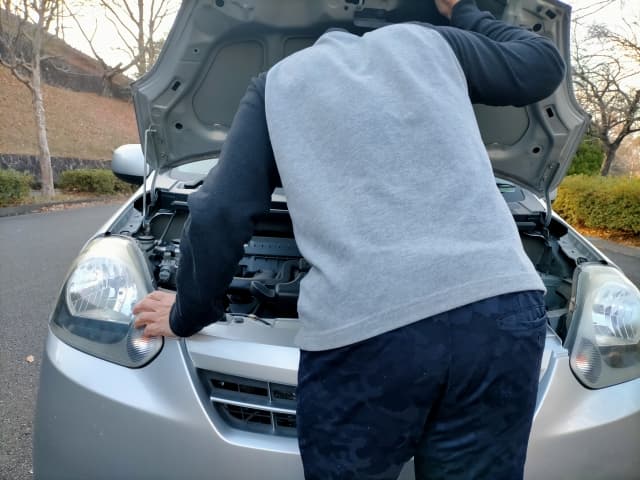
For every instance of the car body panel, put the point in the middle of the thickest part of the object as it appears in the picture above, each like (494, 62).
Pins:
(102, 421)
(96, 419)
(99, 420)
(583, 433)
(185, 104)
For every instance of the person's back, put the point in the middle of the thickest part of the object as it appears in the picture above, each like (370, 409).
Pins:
(423, 322)
(389, 185)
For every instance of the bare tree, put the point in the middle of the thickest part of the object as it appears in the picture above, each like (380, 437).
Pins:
(23, 34)
(606, 77)
(603, 87)
(109, 73)
(138, 24)
(625, 38)
(589, 10)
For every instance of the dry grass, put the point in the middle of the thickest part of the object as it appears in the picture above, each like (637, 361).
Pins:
(81, 125)
(36, 198)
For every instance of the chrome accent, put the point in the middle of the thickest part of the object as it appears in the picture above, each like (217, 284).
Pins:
(257, 406)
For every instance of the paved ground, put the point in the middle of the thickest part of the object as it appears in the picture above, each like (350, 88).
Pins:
(35, 251)
(627, 258)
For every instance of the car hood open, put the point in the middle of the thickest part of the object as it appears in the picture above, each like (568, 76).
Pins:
(185, 104)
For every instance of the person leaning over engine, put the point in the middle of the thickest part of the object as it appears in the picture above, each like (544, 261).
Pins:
(421, 334)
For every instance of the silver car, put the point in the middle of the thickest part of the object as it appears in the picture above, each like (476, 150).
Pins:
(222, 404)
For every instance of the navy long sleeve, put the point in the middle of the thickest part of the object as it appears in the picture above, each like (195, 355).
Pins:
(223, 213)
(504, 65)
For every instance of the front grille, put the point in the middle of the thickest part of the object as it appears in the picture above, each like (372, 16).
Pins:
(252, 405)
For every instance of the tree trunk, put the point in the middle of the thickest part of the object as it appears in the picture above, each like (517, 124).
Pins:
(142, 59)
(107, 85)
(608, 160)
(37, 100)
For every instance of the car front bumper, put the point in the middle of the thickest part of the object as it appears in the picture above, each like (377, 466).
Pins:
(98, 420)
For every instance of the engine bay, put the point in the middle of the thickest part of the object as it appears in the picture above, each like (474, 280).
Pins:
(267, 280)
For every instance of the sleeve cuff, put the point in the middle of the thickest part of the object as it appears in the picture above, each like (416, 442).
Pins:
(182, 328)
(176, 321)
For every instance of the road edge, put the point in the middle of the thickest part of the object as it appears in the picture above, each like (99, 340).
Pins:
(36, 207)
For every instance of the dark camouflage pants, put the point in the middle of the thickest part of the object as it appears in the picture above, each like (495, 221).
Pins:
(456, 391)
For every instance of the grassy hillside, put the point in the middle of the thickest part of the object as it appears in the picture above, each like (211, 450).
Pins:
(81, 125)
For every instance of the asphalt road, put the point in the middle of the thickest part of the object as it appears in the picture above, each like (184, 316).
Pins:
(35, 253)
(627, 258)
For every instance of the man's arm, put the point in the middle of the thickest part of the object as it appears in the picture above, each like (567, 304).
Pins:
(223, 214)
(222, 218)
(504, 64)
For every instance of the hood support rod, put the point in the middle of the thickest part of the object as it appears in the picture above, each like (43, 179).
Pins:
(549, 213)
(145, 213)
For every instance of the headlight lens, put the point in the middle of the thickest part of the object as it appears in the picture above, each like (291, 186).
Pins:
(604, 329)
(94, 313)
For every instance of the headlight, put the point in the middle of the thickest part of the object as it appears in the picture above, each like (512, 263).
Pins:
(604, 327)
(94, 313)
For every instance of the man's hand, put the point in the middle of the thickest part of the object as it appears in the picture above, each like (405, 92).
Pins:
(446, 6)
(153, 314)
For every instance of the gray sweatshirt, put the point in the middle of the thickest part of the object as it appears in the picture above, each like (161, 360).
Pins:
(390, 189)
(388, 183)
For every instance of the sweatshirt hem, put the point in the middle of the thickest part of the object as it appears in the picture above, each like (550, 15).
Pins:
(400, 316)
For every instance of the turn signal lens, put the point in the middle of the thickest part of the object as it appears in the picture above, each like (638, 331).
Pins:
(604, 327)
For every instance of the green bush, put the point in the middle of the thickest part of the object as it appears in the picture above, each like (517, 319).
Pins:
(611, 203)
(14, 186)
(98, 181)
(588, 158)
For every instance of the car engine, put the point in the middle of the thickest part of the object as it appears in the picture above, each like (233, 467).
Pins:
(267, 279)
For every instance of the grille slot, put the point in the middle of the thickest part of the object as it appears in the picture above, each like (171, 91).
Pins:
(252, 405)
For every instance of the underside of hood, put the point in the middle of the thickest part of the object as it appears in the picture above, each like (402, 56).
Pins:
(186, 103)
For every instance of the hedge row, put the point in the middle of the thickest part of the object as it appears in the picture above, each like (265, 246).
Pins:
(93, 181)
(588, 158)
(14, 187)
(600, 202)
